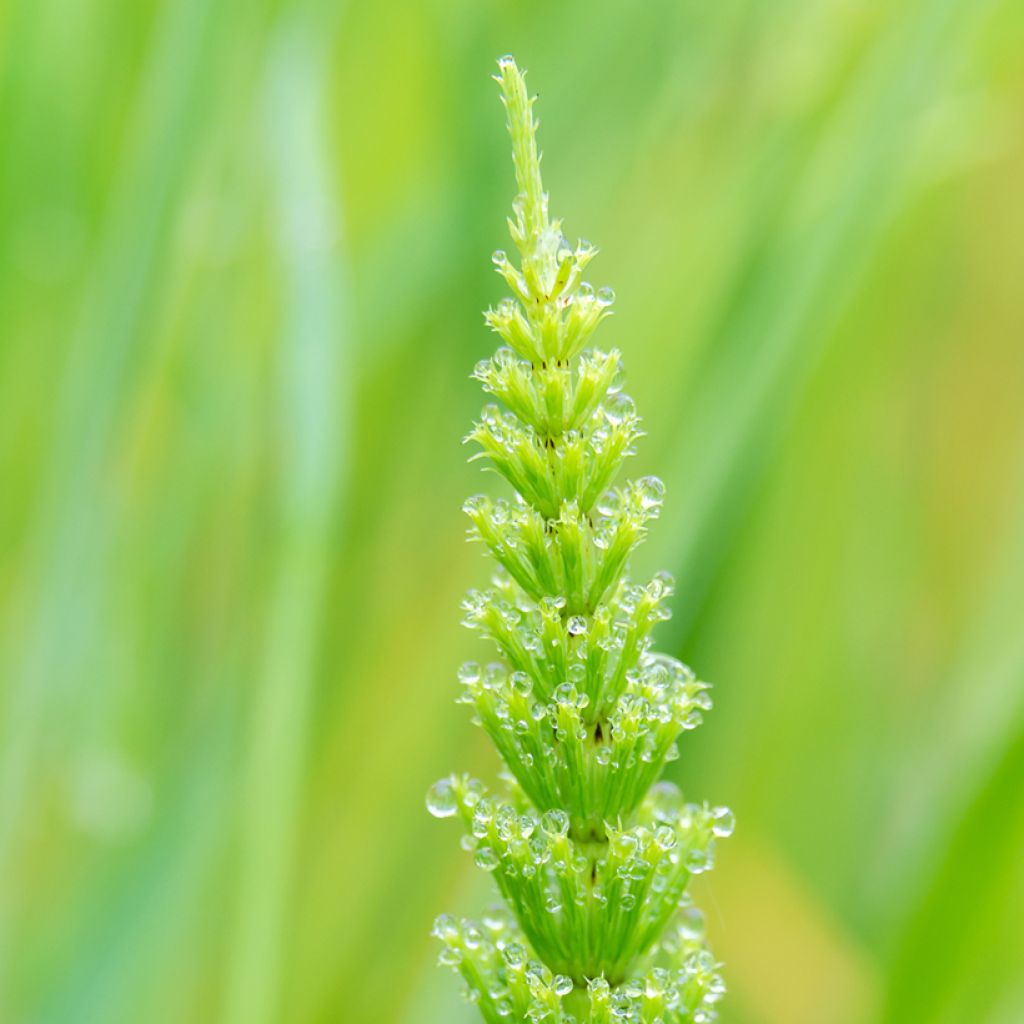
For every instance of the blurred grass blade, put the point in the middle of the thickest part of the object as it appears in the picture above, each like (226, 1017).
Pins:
(71, 535)
(312, 423)
(797, 282)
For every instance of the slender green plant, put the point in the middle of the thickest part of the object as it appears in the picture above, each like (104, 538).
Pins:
(591, 853)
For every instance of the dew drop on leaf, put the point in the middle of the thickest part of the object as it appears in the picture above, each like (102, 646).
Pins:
(441, 799)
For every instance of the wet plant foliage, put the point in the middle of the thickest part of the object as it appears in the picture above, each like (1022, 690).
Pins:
(590, 853)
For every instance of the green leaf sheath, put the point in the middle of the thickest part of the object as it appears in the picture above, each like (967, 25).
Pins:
(590, 853)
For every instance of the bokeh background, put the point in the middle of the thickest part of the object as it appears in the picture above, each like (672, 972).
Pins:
(245, 248)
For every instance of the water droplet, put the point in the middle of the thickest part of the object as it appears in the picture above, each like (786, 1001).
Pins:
(499, 257)
(585, 290)
(723, 822)
(666, 800)
(469, 673)
(507, 822)
(507, 61)
(442, 801)
(521, 683)
(567, 696)
(486, 858)
(561, 985)
(450, 957)
(532, 642)
(514, 954)
(662, 585)
(496, 919)
(445, 927)
(605, 296)
(651, 492)
(494, 675)
(698, 861)
(608, 504)
(618, 408)
(555, 823)
(473, 792)
(665, 837)
(618, 381)
(576, 626)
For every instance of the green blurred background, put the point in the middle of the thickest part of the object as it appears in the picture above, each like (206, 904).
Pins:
(245, 248)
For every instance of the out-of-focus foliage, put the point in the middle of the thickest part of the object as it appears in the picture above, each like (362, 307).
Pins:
(244, 249)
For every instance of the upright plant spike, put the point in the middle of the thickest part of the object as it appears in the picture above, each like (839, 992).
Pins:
(591, 854)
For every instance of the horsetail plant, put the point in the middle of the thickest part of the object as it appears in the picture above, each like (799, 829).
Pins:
(591, 853)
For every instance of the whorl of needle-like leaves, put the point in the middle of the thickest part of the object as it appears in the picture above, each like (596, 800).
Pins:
(590, 853)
